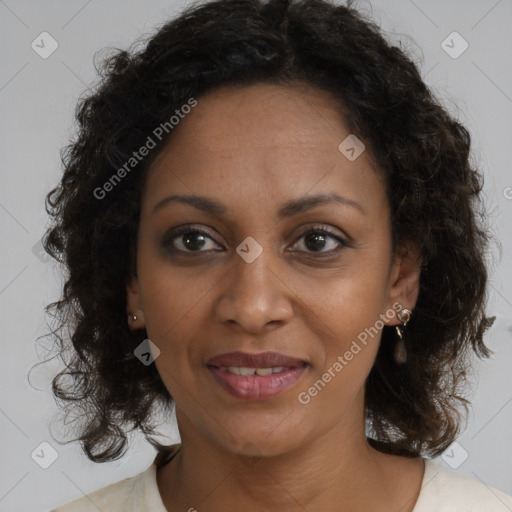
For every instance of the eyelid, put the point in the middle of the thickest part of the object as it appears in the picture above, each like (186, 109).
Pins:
(175, 233)
(335, 232)
(343, 239)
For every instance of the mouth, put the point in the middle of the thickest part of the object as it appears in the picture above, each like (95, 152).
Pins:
(256, 376)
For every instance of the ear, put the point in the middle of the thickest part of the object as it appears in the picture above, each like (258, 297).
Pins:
(404, 283)
(135, 311)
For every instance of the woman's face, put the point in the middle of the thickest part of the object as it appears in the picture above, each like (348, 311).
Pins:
(260, 277)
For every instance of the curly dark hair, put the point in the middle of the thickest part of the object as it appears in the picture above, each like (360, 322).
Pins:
(434, 192)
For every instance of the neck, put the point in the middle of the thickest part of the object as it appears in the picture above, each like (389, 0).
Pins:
(338, 470)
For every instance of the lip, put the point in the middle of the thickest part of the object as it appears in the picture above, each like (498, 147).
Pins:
(256, 387)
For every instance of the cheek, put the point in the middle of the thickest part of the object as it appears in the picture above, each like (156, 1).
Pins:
(171, 296)
(347, 317)
(347, 302)
(349, 331)
(350, 347)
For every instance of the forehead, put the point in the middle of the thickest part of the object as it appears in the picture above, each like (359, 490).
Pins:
(260, 142)
(263, 115)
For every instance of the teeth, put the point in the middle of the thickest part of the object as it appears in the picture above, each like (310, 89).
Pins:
(249, 372)
(263, 371)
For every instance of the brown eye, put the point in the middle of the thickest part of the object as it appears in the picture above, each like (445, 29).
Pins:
(317, 239)
(192, 240)
(186, 239)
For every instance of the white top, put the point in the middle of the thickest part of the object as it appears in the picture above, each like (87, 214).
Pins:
(442, 490)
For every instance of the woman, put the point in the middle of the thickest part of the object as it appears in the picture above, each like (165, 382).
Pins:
(271, 224)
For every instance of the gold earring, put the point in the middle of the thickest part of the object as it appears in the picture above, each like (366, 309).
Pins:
(400, 353)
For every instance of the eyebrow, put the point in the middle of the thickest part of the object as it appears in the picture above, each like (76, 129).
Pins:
(288, 209)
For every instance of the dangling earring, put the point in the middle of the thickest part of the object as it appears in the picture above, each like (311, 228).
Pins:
(400, 352)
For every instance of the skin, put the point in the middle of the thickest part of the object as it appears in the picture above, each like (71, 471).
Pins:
(253, 149)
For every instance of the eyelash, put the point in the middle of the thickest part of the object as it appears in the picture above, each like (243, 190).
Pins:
(171, 236)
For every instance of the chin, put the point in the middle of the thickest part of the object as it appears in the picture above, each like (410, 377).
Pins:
(263, 443)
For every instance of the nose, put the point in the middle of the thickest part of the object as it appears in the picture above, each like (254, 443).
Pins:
(254, 295)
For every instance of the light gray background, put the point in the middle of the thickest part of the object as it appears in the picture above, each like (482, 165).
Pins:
(37, 99)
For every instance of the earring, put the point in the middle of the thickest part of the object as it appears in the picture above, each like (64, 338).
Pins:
(400, 353)
(133, 317)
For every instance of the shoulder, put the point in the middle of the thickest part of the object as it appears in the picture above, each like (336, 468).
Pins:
(444, 490)
(137, 493)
